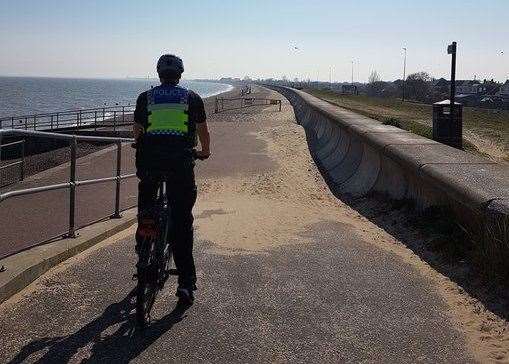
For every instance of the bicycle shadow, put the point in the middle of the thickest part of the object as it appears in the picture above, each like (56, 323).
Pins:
(123, 345)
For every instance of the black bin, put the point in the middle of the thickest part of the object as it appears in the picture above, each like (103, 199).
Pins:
(446, 129)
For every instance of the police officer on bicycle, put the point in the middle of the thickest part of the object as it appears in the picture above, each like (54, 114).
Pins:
(167, 121)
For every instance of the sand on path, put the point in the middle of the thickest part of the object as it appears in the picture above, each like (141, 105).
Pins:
(257, 211)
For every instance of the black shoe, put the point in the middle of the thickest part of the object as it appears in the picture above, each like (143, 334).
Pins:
(185, 295)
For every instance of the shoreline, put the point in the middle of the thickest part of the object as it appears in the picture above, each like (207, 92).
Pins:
(41, 162)
(77, 100)
(230, 88)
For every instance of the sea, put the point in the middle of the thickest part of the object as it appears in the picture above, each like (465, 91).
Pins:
(32, 95)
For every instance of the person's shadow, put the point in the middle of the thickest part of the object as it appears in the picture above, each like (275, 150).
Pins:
(122, 346)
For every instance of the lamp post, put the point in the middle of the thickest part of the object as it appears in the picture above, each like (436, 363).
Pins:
(502, 55)
(352, 72)
(404, 73)
(451, 49)
(447, 116)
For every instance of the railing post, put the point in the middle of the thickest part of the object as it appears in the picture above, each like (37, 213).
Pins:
(72, 191)
(114, 120)
(104, 114)
(26, 123)
(95, 120)
(123, 115)
(35, 122)
(1, 170)
(51, 122)
(58, 116)
(22, 174)
(215, 107)
(12, 122)
(116, 214)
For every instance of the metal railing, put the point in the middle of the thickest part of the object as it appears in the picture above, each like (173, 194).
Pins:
(111, 116)
(73, 182)
(225, 104)
(245, 90)
(20, 162)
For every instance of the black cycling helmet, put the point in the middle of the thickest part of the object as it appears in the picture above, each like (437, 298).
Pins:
(170, 64)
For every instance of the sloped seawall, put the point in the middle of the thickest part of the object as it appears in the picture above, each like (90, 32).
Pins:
(360, 155)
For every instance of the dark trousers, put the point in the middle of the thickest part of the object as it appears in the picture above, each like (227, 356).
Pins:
(181, 190)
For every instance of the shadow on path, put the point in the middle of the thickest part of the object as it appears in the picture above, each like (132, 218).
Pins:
(443, 250)
(123, 345)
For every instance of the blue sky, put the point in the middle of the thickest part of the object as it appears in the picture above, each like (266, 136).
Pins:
(93, 38)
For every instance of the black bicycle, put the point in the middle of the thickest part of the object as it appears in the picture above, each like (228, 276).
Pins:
(154, 257)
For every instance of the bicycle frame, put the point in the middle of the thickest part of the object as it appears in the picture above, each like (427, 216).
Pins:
(154, 265)
(166, 224)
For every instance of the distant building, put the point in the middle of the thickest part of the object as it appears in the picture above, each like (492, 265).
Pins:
(469, 87)
(463, 87)
(349, 89)
(469, 99)
(503, 91)
(441, 85)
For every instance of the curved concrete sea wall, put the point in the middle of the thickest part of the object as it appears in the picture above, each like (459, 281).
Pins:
(360, 155)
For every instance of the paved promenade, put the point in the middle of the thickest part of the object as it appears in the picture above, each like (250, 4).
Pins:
(28, 220)
(287, 274)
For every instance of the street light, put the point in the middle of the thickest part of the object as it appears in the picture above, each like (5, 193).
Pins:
(404, 73)
(295, 51)
(451, 49)
(352, 72)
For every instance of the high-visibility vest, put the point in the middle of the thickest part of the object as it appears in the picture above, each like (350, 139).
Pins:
(168, 108)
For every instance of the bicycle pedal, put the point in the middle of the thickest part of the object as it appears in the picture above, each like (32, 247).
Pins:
(173, 272)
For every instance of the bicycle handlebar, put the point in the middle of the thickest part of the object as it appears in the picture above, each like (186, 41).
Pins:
(195, 155)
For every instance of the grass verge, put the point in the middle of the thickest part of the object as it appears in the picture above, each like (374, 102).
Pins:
(490, 127)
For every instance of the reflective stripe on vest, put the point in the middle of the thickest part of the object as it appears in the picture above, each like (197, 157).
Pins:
(168, 111)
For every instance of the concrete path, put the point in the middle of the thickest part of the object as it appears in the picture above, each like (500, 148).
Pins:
(286, 274)
(28, 220)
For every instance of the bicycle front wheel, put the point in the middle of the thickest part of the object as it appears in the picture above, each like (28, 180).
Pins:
(147, 283)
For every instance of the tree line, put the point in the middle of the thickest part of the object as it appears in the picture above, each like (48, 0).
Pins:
(418, 86)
